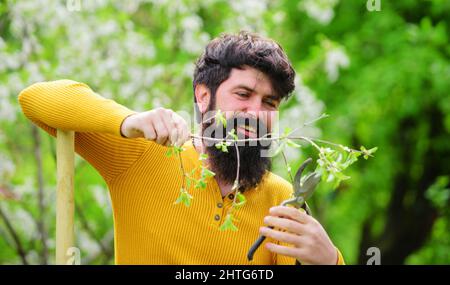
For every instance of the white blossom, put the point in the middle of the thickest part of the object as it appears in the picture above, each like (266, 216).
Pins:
(306, 110)
(320, 10)
(248, 16)
(87, 244)
(336, 58)
(24, 221)
(193, 40)
(251, 8)
(27, 187)
(7, 111)
(7, 167)
(33, 257)
(101, 196)
(192, 22)
(278, 17)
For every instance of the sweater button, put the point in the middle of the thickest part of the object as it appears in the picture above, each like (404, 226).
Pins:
(231, 196)
(219, 205)
(217, 217)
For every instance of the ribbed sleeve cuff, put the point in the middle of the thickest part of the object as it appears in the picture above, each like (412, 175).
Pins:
(340, 260)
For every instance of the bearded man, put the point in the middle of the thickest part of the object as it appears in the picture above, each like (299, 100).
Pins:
(247, 77)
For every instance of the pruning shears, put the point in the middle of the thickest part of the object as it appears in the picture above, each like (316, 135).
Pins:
(302, 191)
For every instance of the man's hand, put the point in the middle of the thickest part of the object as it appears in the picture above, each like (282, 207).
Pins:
(310, 243)
(164, 126)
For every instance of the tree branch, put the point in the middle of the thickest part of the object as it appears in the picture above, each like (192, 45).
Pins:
(85, 224)
(19, 247)
(41, 206)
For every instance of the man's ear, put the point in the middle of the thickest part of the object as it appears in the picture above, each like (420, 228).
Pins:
(203, 95)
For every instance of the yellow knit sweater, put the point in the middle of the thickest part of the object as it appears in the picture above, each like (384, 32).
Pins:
(144, 183)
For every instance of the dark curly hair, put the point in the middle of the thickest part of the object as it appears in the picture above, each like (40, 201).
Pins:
(244, 49)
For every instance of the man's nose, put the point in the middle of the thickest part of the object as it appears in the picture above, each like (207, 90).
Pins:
(253, 105)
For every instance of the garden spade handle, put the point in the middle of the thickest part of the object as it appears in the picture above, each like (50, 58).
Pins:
(64, 196)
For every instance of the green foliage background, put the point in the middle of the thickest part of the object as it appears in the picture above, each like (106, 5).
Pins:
(383, 76)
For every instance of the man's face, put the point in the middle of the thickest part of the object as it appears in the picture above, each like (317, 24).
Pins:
(248, 92)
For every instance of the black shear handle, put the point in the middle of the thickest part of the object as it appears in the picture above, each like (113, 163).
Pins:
(255, 246)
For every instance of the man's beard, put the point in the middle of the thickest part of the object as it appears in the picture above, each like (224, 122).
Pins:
(252, 163)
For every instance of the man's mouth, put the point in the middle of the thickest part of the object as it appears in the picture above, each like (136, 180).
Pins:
(248, 131)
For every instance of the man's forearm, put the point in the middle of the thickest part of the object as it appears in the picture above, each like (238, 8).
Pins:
(70, 105)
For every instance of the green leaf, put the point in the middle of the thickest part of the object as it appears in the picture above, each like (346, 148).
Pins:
(341, 176)
(187, 199)
(351, 158)
(280, 148)
(373, 150)
(232, 133)
(292, 144)
(222, 146)
(286, 131)
(336, 184)
(177, 149)
(188, 182)
(347, 149)
(200, 184)
(330, 178)
(438, 193)
(184, 198)
(207, 173)
(220, 118)
(369, 152)
(228, 224)
(288, 167)
(203, 156)
(241, 200)
(174, 150)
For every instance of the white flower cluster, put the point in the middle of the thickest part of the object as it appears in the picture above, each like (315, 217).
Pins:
(22, 221)
(7, 111)
(248, 15)
(306, 109)
(7, 167)
(87, 244)
(335, 59)
(101, 196)
(320, 10)
(193, 39)
(26, 188)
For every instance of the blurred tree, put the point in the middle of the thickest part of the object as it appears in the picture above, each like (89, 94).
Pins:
(394, 95)
(383, 76)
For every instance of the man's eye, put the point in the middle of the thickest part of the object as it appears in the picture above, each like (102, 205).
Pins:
(242, 94)
(270, 103)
